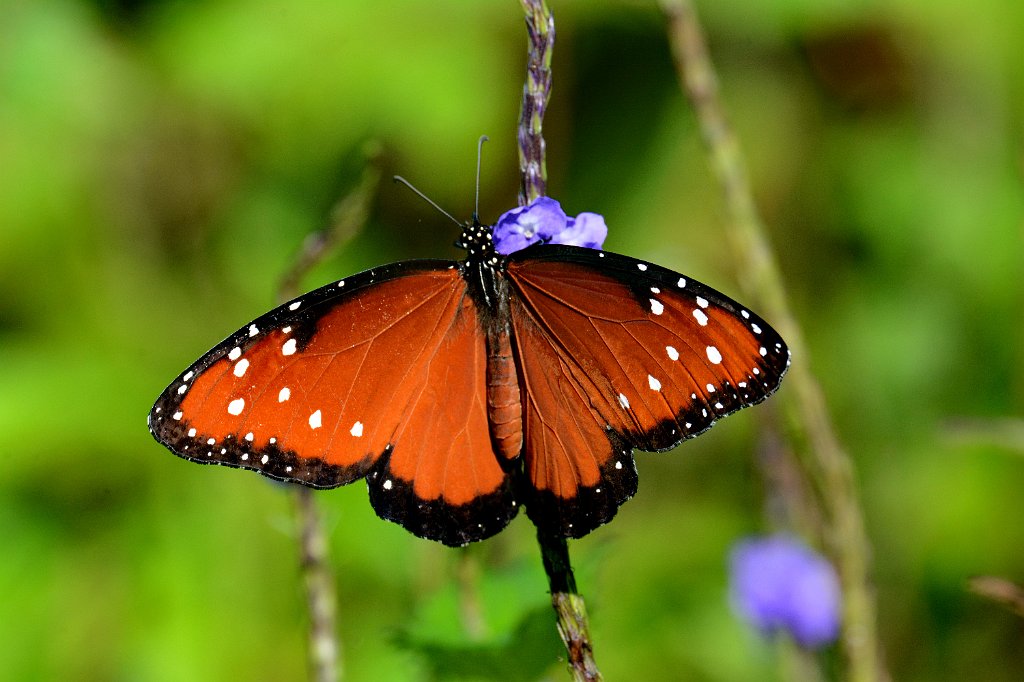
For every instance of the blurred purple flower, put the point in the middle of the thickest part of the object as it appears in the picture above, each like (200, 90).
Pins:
(777, 583)
(543, 221)
(587, 230)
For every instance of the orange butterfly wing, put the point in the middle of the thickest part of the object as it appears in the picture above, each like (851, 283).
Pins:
(618, 354)
(382, 375)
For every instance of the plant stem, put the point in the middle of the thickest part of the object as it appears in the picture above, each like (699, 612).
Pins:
(1000, 591)
(540, 27)
(324, 644)
(825, 461)
(569, 606)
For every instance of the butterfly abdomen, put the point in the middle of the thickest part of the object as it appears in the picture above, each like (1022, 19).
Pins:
(504, 403)
(490, 291)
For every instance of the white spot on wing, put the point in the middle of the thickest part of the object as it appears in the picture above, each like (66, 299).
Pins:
(286, 330)
(702, 302)
(745, 314)
(191, 433)
(714, 356)
(710, 388)
(618, 465)
(315, 420)
(188, 376)
(641, 267)
(623, 401)
(284, 394)
(763, 351)
(177, 415)
(235, 353)
(249, 436)
(288, 348)
(654, 383)
(387, 484)
(655, 290)
(236, 406)
(656, 307)
(240, 367)
(182, 389)
(357, 429)
(253, 331)
(295, 306)
(757, 330)
(673, 354)
(265, 459)
(702, 319)
(681, 283)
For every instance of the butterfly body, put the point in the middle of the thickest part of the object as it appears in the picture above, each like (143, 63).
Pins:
(462, 391)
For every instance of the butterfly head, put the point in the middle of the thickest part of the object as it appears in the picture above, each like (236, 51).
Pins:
(478, 242)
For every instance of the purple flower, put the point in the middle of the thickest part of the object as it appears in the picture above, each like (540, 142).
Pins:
(777, 583)
(543, 221)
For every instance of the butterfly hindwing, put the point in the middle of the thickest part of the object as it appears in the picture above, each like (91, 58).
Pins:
(648, 356)
(576, 471)
(442, 479)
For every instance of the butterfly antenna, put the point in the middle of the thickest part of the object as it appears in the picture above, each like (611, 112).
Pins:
(421, 195)
(479, 154)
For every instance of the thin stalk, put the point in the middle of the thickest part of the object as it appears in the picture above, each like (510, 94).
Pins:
(825, 461)
(999, 590)
(569, 606)
(540, 27)
(321, 597)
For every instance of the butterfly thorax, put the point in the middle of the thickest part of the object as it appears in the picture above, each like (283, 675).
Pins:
(482, 265)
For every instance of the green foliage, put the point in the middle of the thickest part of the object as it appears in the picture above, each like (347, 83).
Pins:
(162, 162)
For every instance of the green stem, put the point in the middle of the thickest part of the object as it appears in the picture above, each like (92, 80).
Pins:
(569, 606)
(825, 461)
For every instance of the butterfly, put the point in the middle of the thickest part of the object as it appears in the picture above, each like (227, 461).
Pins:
(522, 376)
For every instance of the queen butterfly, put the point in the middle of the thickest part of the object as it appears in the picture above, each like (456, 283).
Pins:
(462, 390)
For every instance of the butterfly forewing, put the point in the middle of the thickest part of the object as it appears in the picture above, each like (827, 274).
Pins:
(651, 358)
(356, 378)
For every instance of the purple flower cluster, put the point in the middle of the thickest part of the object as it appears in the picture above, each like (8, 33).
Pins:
(543, 221)
(777, 583)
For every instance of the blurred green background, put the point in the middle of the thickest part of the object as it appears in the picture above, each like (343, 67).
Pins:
(162, 162)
